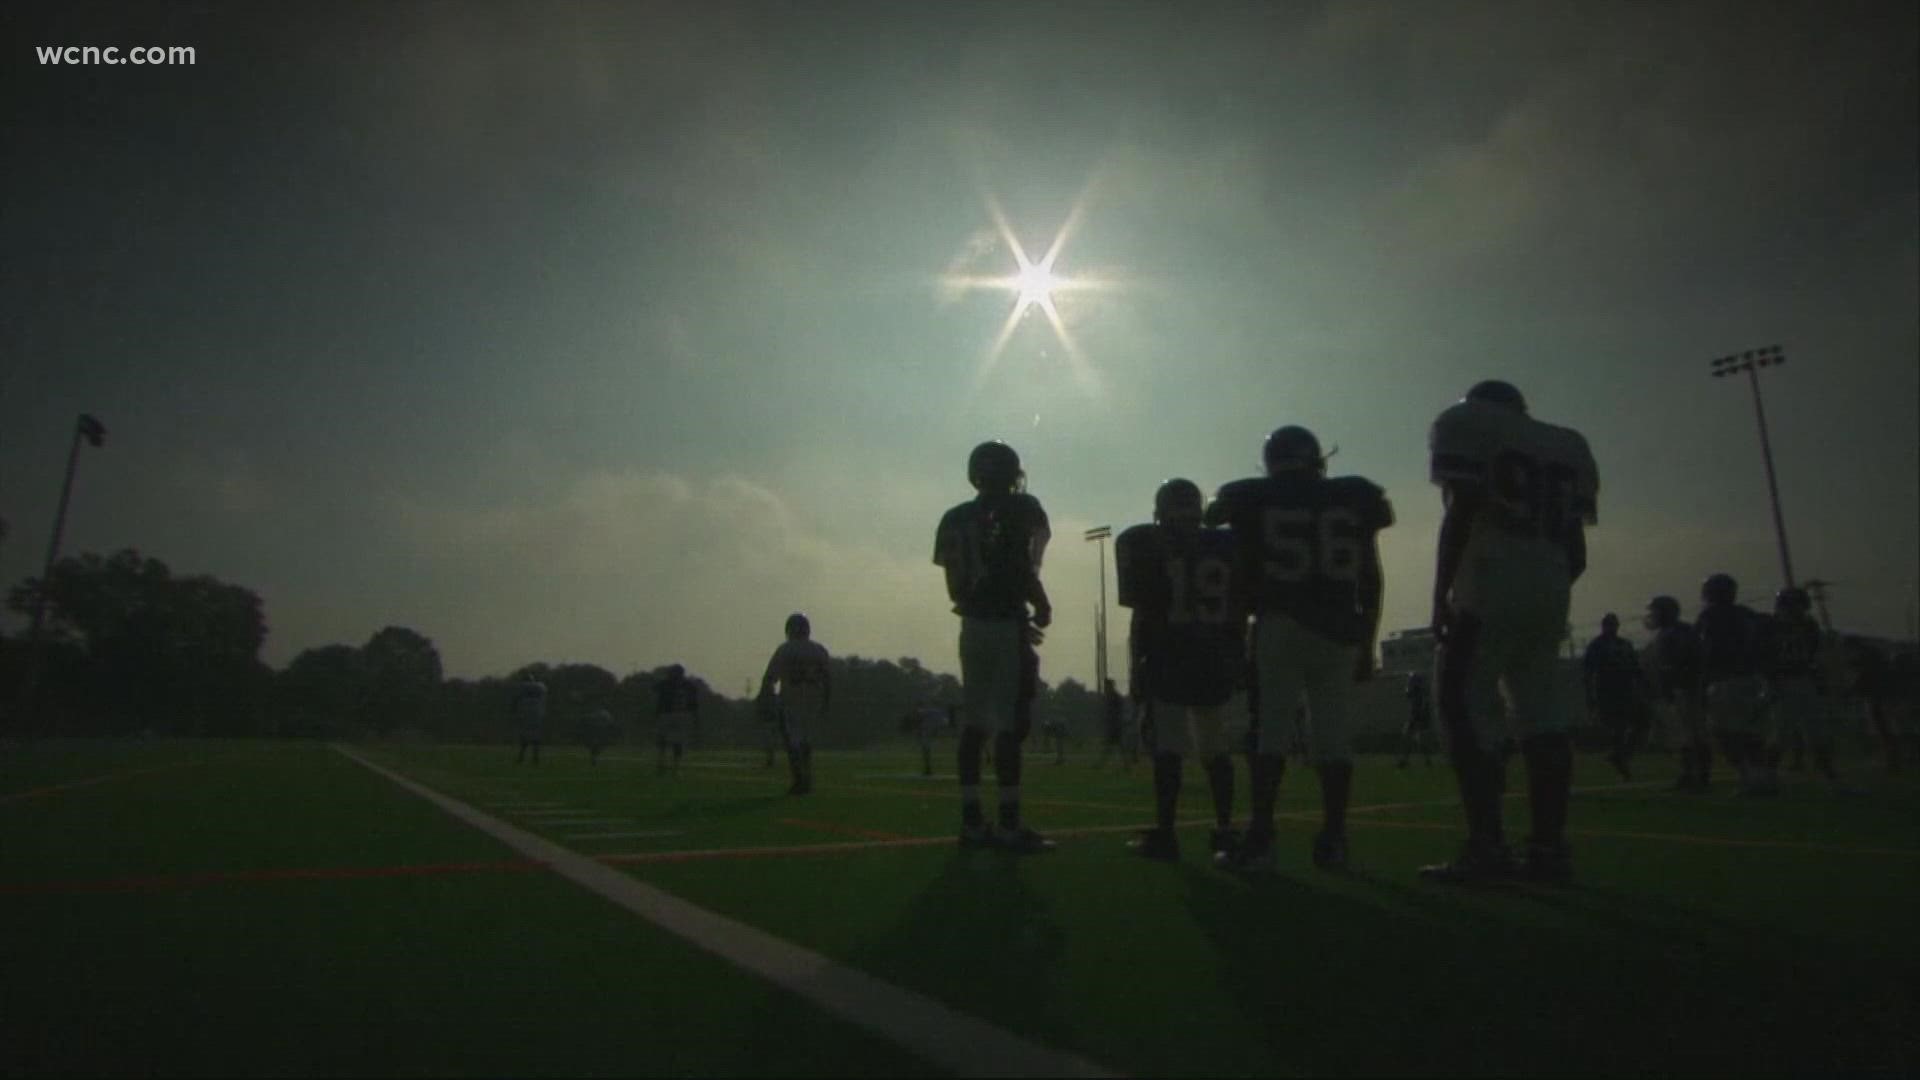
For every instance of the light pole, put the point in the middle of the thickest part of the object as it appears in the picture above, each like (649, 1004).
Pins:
(90, 429)
(1099, 536)
(1751, 362)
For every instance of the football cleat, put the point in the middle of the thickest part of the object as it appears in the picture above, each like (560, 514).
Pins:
(976, 836)
(1157, 844)
(1479, 863)
(1254, 855)
(1330, 851)
(1220, 840)
(1023, 841)
(1549, 864)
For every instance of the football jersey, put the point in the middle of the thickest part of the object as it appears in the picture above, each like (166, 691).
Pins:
(1790, 646)
(797, 662)
(675, 695)
(1301, 544)
(1540, 483)
(1673, 661)
(1728, 635)
(990, 548)
(1188, 645)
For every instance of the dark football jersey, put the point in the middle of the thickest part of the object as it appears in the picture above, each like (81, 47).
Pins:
(675, 695)
(990, 548)
(1302, 542)
(1727, 634)
(1673, 661)
(1789, 646)
(1612, 668)
(1187, 644)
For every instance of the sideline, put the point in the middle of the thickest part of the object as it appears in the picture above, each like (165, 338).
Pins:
(941, 1035)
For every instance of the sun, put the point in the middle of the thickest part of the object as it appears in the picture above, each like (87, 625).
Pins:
(1034, 284)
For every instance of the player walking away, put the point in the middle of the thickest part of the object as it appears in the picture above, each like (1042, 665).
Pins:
(1518, 494)
(926, 722)
(1616, 690)
(1870, 682)
(1419, 725)
(600, 731)
(1792, 648)
(799, 667)
(1190, 636)
(990, 548)
(1054, 730)
(1730, 677)
(1672, 664)
(530, 717)
(1307, 563)
(676, 702)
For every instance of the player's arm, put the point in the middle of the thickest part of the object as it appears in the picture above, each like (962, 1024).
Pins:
(1037, 596)
(772, 674)
(1372, 586)
(1462, 502)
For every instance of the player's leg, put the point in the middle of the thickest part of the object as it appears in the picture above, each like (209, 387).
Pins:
(1329, 674)
(1010, 744)
(975, 714)
(1276, 640)
(1161, 842)
(1208, 734)
(1465, 681)
(1544, 728)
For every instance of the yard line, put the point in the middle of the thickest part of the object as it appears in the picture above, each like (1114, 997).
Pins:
(1680, 838)
(166, 882)
(55, 789)
(942, 1035)
(641, 835)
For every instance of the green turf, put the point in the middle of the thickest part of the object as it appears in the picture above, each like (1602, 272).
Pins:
(1699, 937)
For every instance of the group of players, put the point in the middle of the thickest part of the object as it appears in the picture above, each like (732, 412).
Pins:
(676, 702)
(1274, 587)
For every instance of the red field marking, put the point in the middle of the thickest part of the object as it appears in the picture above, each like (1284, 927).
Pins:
(170, 882)
(1676, 838)
(844, 830)
(55, 789)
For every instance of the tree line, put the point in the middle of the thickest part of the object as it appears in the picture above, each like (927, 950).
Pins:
(129, 647)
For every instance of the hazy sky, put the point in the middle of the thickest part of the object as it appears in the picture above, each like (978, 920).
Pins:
(616, 332)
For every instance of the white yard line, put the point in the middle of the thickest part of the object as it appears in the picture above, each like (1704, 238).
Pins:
(646, 834)
(941, 1035)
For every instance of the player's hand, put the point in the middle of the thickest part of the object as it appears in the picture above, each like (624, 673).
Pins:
(1033, 634)
(1442, 620)
(1042, 617)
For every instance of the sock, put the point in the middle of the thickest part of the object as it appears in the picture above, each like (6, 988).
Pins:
(1267, 772)
(1166, 789)
(1336, 786)
(971, 742)
(1549, 786)
(1220, 781)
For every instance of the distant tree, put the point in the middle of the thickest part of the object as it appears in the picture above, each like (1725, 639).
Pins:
(322, 693)
(177, 654)
(403, 680)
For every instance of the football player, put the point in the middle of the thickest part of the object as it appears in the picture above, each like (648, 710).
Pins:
(1518, 494)
(1792, 647)
(1190, 637)
(1729, 635)
(799, 668)
(676, 701)
(1307, 565)
(926, 722)
(1871, 682)
(1419, 725)
(530, 717)
(1672, 664)
(1616, 692)
(991, 548)
(600, 732)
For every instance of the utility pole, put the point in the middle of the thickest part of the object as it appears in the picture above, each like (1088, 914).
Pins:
(1099, 535)
(1751, 362)
(94, 433)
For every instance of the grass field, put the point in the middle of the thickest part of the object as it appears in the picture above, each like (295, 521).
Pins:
(280, 909)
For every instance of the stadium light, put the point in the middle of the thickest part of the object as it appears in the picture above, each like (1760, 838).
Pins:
(95, 434)
(1751, 362)
(1098, 535)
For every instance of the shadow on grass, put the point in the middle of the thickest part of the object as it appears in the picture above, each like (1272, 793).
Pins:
(1421, 979)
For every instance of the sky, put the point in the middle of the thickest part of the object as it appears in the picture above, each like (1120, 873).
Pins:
(615, 333)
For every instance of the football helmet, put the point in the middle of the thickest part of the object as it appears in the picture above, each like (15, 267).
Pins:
(1293, 447)
(1662, 611)
(674, 671)
(1719, 589)
(1792, 600)
(798, 626)
(1609, 623)
(533, 688)
(993, 466)
(1178, 502)
(1496, 392)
